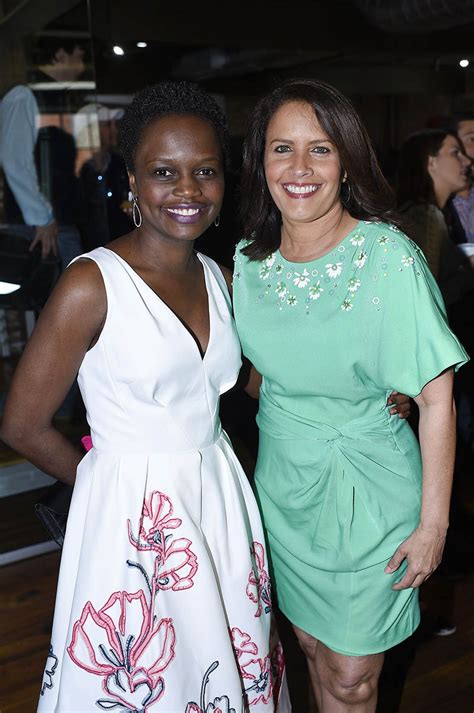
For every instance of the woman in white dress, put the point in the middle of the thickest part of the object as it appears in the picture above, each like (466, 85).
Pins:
(163, 601)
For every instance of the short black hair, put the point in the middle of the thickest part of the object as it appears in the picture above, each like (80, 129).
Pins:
(167, 98)
(455, 119)
(45, 48)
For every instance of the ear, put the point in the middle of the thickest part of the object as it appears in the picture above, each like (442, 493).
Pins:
(133, 183)
(431, 164)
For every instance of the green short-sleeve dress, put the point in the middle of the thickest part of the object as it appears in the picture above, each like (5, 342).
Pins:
(338, 478)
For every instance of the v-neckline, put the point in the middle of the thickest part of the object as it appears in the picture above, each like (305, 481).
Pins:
(184, 326)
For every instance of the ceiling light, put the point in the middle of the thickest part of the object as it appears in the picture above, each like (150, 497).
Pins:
(6, 288)
(119, 51)
(142, 44)
(464, 63)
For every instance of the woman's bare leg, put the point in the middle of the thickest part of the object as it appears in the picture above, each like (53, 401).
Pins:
(341, 684)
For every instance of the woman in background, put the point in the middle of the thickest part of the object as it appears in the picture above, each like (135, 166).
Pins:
(432, 167)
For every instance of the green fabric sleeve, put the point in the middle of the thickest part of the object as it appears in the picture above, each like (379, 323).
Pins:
(416, 343)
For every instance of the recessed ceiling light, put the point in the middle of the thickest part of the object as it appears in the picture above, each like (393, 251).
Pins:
(142, 44)
(118, 50)
(464, 63)
(6, 288)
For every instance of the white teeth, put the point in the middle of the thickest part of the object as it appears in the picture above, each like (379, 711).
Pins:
(184, 211)
(292, 188)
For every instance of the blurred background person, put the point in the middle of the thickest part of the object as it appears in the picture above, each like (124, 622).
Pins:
(104, 183)
(432, 168)
(461, 205)
(38, 152)
(18, 136)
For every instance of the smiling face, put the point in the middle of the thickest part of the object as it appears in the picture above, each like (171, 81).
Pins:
(302, 165)
(448, 169)
(178, 176)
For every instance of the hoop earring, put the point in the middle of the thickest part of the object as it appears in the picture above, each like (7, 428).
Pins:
(136, 210)
(217, 221)
(347, 193)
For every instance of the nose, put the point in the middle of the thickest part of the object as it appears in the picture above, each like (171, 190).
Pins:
(186, 186)
(300, 165)
(465, 160)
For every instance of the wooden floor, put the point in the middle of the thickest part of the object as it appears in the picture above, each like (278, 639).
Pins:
(427, 674)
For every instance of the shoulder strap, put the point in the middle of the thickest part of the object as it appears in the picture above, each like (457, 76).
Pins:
(218, 275)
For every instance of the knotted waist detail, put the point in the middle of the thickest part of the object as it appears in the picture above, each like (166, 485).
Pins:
(280, 424)
(340, 492)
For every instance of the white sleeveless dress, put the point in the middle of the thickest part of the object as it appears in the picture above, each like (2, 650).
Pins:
(163, 602)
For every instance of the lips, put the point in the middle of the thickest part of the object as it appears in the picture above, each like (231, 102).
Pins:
(185, 213)
(301, 190)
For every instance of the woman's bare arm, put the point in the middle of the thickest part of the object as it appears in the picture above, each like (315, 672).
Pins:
(68, 325)
(437, 433)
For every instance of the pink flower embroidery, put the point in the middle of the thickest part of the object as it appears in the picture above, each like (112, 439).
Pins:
(261, 676)
(126, 646)
(242, 643)
(175, 562)
(259, 671)
(177, 567)
(156, 517)
(259, 586)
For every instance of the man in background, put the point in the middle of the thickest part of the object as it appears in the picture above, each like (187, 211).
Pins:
(18, 136)
(463, 203)
(41, 191)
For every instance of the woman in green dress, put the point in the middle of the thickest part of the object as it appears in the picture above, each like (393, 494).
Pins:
(335, 306)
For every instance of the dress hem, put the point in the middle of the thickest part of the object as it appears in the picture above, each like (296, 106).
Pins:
(338, 650)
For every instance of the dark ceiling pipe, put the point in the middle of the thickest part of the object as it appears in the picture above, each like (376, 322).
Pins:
(417, 16)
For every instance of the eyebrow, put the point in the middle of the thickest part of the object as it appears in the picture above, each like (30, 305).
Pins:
(314, 141)
(165, 159)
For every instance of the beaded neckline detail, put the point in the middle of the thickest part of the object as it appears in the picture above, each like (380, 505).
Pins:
(338, 274)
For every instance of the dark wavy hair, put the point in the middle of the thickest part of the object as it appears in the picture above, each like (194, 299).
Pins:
(370, 196)
(167, 98)
(414, 184)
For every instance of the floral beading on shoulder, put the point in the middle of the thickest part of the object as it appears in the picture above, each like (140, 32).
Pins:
(293, 285)
(367, 256)
(237, 258)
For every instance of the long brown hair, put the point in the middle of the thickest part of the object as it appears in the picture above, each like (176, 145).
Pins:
(414, 183)
(369, 196)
